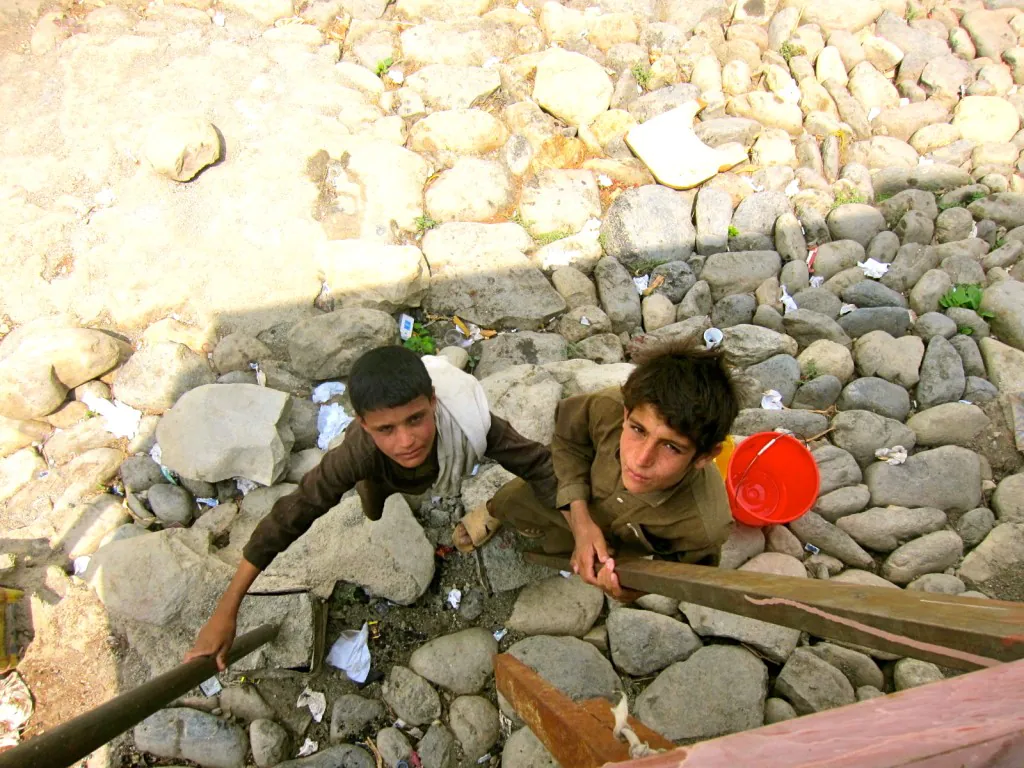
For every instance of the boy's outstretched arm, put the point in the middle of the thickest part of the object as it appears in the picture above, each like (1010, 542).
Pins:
(218, 634)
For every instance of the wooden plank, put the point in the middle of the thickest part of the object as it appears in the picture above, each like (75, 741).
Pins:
(957, 632)
(971, 721)
(579, 736)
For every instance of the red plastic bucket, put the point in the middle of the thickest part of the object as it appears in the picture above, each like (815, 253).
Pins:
(780, 486)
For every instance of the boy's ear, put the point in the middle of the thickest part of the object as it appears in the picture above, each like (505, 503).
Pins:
(707, 458)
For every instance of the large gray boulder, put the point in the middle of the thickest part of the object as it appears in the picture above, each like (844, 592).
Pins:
(649, 223)
(180, 733)
(720, 689)
(863, 432)
(884, 529)
(556, 606)
(811, 684)
(946, 478)
(643, 642)
(618, 295)
(461, 662)
(326, 346)
(931, 553)
(220, 431)
(1005, 300)
(155, 377)
(739, 272)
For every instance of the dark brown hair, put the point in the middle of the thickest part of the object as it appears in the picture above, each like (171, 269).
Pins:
(689, 386)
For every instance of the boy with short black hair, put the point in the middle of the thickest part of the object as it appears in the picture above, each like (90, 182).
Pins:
(421, 423)
(635, 468)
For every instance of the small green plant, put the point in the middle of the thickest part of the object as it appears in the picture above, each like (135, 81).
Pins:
(573, 352)
(881, 198)
(1000, 242)
(517, 218)
(645, 266)
(384, 65)
(966, 296)
(733, 232)
(912, 12)
(549, 237)
(966, 330)
(424, 223)
(642, 73)
(602, 240)
(789, 50)
(421, 341)
(845, 197)
(976, 195)
(810, 371)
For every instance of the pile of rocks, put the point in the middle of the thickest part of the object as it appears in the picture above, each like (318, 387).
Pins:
(481, 168)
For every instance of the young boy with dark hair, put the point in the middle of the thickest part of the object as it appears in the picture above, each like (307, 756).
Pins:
(635, 468)
(420, 423)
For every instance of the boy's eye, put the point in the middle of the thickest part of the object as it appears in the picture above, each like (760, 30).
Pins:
(673, 448)
(637, 428)
(416, 419)
(386, 430)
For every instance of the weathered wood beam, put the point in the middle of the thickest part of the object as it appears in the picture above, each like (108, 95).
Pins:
(577, 736)
(957, 632)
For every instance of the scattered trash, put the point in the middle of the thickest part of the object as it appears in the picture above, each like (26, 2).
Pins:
(15, 709)
(656, 283)
(80, 565)
(169, 474)
(156, 454)
(499, 634)
(873, 268)
(812, 254)
(405, 324)
(565, 574)
(792, 188)
(396, 75)
(308, 748)
(374, 627)
(584, 320)
(476, 468)
(817, 282)
(755, 187)
(211, 687)
(846, 309)
(245, 486)
(873, 113)
(484, 759)
(904, 102)
(207, 502)
(772, 400)
(603, 180)
(120, 420)
(455, 598)
(812, 549)
(523, 8)
(261, 376)
(788, 304)
(218, 19)
(492, 62)
(641, 283)
(316, 702)
(327, 390)
(331, 422)
(712, 338)
(351, 654)
(444, 551)
(974, 229)
(925, 161)
(894, 456)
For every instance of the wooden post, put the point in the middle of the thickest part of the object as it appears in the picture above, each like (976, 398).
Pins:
(957, 632)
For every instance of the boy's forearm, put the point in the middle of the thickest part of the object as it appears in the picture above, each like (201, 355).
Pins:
(578, 514)
(231, 600)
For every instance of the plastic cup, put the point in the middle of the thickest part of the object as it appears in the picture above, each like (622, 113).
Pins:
(713, 337)
(778, 487)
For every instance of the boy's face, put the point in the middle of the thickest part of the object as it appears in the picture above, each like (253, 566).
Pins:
(405, 434)
(653, 455)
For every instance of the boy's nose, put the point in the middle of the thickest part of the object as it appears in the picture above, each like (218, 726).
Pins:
(645, 457)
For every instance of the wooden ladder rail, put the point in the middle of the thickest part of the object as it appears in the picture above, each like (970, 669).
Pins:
(957, 632)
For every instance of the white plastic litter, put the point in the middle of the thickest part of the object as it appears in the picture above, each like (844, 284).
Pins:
(218, 19)
(211, 687)
(308, 748)
(405, 325)
(523, 8)
(492, 62)
(584, 320)
(396, 75)
(604, 180)
(846, 309)
(15, 709)
(790, 92)
(565, 574)
(792, 188)
(315, 701)
(81, 565)
(331, 422)
(974, 229)
(455, 598)
(904, 102)
(894, 456)
(641, 283)
(156, 454)
(499, 634)
(207, 502)
(245, 486)
(484, 759)
(873, 113)
(713, 337)
(965, 402)
(812, 254)
(787, 302)
(873, 268)
(772, 400)
(351, 653)
(817, 281)
(327, 390)
(756, 187)
(105, 197)
(261, 376)
(119, 419)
